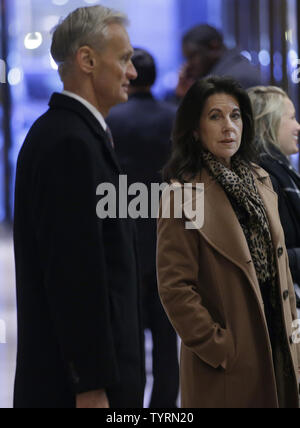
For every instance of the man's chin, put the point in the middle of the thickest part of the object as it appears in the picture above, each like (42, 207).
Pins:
(124, 98)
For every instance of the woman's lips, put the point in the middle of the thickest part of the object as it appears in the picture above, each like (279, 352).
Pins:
(227, 141)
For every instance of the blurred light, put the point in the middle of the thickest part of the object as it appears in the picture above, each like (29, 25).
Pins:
(60, 2)
(247, 55)
(264, 58)
(33, 40)
(91, 1)
(13, 29)
(293, 56)
(278, 58)
(15, 76)
(289, 36)
(2, 71)
(49, 22)
(53, 63)
(14, 58)
(278, 73)
(254, 55)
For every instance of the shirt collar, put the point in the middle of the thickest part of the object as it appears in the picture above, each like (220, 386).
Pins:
(89, 106)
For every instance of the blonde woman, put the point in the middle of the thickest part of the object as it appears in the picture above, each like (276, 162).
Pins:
(277, 132)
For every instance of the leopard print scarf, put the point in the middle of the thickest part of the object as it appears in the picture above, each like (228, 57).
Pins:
(241, 190)
(240, 187)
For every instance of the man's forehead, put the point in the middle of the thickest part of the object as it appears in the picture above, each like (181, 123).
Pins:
(190, 48)
(115, 31)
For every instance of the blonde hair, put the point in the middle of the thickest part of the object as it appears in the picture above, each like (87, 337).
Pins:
(84, 26)
(268, 108)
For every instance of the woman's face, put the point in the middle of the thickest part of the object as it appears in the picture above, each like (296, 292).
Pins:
(289, 130)
(221, 127)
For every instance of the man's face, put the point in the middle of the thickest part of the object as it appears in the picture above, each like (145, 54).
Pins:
(114, 69)
(198, 60)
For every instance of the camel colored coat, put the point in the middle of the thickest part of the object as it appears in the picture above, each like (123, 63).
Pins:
(209, 289)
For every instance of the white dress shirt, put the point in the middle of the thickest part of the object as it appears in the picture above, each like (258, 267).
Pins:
(89, 106)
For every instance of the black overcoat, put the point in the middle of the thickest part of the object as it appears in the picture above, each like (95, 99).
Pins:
(77, 275)
(286, 183)
(142, 130)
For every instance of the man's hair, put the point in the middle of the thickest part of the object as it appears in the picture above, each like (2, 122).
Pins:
(145, 66)
(203, 35)
(84, 26)
(268, 107)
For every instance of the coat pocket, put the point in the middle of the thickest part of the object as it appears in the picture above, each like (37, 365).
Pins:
(231, 355)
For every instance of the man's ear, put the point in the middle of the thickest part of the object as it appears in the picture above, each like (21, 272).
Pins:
(85, 59)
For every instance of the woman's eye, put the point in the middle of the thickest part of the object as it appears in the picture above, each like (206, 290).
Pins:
(236, 116)
(214, 117)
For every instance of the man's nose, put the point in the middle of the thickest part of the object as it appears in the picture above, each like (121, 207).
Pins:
(131, 71)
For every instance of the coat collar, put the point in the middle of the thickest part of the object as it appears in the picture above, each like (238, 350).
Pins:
(221, 228)
(61, 101)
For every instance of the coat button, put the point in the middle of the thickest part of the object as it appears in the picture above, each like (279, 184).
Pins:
(280, 251)
(286, 294)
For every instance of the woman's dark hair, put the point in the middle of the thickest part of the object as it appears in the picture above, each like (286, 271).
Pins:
(186, 158)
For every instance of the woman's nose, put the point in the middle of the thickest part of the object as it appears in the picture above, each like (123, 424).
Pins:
(228, 125)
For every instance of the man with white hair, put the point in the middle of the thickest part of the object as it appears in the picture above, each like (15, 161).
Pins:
(80, 343)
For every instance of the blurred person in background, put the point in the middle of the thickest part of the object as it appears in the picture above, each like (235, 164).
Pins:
(141, 130)
(206, 54)
(80, 341)
(225, 283)
(277, 132)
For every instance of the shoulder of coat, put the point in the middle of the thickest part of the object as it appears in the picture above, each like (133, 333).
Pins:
(259, 172)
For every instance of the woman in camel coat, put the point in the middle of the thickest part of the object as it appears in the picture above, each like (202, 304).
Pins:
(226, 285)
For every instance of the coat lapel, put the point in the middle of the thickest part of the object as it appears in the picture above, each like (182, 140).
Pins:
(222, 229)
(64, 102)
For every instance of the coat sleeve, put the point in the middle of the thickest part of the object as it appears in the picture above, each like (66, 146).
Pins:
(292, 296)
(70, 240)
(293, 253)
(178, 275)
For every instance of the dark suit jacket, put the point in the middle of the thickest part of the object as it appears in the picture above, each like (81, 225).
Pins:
(141, 130)
(77, 275)
(237, 66)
